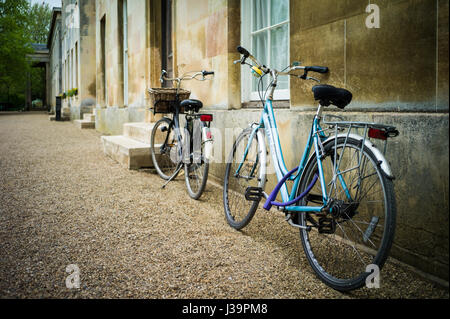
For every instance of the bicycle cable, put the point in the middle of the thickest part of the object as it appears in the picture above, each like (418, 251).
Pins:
(262, 98)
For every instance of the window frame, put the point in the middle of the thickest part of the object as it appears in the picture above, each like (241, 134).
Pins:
(247, 95)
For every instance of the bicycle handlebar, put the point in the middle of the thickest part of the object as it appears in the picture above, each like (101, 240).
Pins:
(185, 76)
(318, 69)
(205, 73)
(246, 54)
(243, 51)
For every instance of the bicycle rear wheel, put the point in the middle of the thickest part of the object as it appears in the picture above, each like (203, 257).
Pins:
(164, 148)
(238, 210)
(359, 230)
(196, 170)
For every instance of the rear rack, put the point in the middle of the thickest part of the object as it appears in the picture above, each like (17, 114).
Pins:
(370, 130)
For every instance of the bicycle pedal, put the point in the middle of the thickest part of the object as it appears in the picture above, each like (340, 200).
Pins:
(254, 193)
(327, 225)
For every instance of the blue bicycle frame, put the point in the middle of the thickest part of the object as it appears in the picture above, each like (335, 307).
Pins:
(268, 123)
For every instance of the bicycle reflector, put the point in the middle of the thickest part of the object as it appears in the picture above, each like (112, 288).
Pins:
(206, 117)
(378, 134)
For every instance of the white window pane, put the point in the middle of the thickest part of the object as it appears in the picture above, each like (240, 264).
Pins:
(259, 48)
(279, 10)
(260, 14)
(279, 53)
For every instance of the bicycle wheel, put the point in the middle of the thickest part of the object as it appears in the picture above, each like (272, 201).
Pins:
(196, 170)
(238, 210)
(164, 148)
(359, 230)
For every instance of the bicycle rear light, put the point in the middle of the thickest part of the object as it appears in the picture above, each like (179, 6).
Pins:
(378, 134)
(206, 117)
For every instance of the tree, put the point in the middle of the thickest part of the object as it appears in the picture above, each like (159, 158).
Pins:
(14, 46)
(40, 16)
(20, 25)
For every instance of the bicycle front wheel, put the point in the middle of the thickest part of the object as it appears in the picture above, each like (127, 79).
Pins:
(164, 148)
(240, 173)
(345, 244)
(196, 170)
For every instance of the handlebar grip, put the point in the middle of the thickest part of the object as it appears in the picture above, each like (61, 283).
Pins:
(243, 51)
(318, 69)
(205, 73)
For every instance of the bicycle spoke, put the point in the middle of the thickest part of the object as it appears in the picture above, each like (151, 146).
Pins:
(356, 196)
(352, 245)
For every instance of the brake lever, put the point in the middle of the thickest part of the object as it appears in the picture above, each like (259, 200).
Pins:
(314, 79)
(306, 77)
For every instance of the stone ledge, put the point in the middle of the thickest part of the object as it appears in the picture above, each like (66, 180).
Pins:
(128, 152)
(140, 131)
(89, 117)
(83, 124)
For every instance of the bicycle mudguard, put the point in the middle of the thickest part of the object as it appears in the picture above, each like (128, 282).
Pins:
(208, 140)
(384, 164)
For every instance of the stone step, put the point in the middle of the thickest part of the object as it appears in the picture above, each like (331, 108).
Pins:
(83, 124)
(139, 131)
(127, 151)
(89, 117)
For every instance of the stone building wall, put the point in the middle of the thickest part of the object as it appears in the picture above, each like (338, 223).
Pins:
(398, 74)
(55, 72)
(78, 55)
(112, 109)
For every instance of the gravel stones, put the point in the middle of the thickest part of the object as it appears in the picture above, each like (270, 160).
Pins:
(63, 202)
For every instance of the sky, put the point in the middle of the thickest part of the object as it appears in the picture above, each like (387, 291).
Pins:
(52, 3)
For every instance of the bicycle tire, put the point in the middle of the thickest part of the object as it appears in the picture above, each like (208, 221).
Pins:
(249, 207)
(196, 192)
(319, 248)
(161, 156)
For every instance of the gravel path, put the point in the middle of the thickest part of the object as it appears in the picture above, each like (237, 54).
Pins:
(62, 201)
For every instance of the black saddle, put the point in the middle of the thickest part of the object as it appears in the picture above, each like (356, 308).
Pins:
(328, 94)
(191, 104)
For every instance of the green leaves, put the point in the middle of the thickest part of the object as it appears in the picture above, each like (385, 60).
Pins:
(20, 25)
(40, 16)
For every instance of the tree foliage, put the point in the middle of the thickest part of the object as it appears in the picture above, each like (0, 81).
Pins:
(20, 25)
(40, 16)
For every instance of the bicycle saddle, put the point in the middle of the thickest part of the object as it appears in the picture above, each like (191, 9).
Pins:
(328, 94)
(191, 104)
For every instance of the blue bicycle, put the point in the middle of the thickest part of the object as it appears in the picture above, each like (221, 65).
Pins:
(341, 195)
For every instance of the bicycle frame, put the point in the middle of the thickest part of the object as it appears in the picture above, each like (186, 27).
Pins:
(268, 123)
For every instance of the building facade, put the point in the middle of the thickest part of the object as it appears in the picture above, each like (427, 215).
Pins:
(54, 42)
(392, 55)
(72, 52)
(78, 56)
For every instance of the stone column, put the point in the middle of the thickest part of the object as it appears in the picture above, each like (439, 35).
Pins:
(48, 86)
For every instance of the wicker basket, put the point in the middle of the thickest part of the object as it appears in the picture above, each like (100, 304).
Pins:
(163, 100)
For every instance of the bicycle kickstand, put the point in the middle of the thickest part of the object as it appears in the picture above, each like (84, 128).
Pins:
(180, 166)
